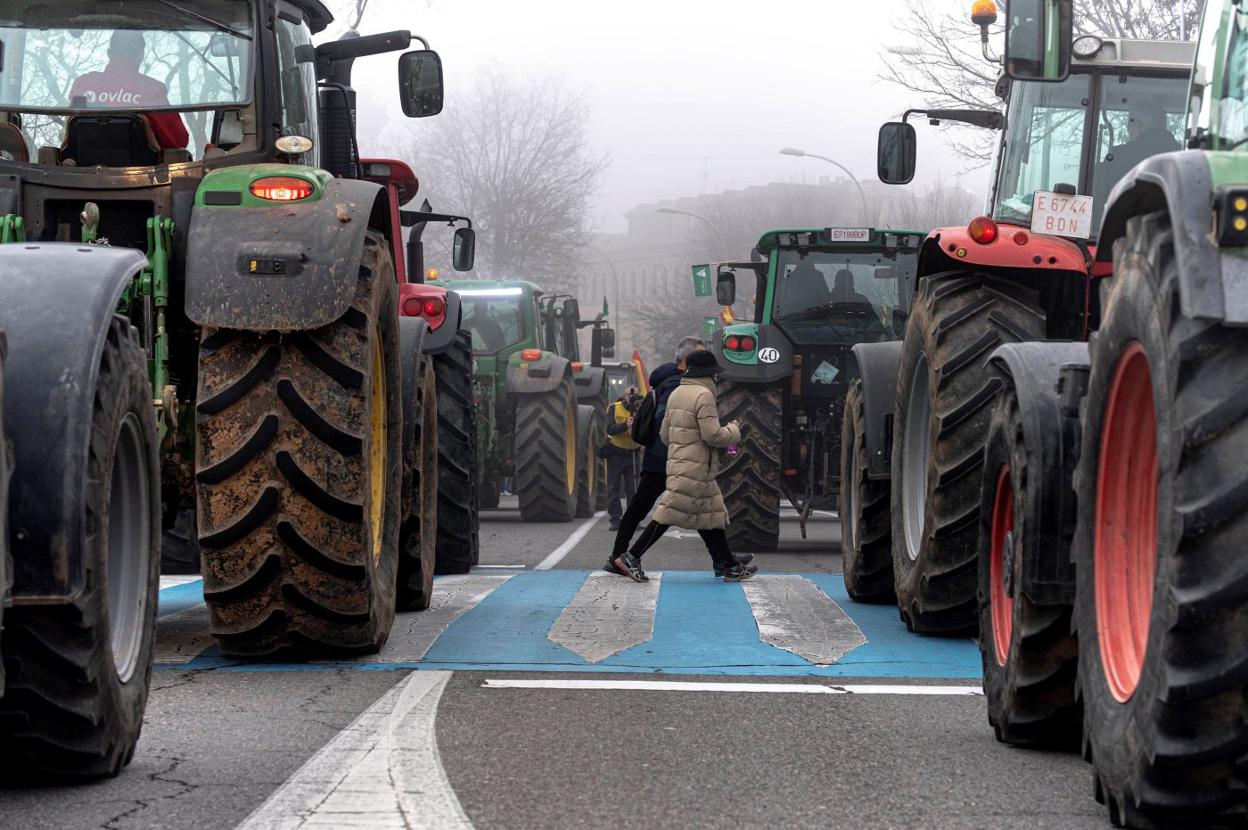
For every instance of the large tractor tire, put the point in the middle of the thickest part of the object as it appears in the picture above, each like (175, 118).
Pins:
(489, 495)
(591, 470)
(1162, 591)
(459, 545)
(418, 530)
(750, 480)
(945, 391)
(866, 525)
(546, 454)
(78, 674)
(6, 470)
(299, 472)
(1029, 652)
(179, 542)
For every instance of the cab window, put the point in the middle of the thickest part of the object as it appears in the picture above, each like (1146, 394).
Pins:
(296, 62)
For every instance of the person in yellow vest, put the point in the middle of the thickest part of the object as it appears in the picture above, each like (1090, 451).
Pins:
(621, 452)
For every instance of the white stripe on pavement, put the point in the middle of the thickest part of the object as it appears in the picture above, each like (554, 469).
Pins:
(175, 581)
(608, 615)
(757, 688)
(382, 771)
(453, 596)
(556, 555)
(182, 636)
(793, 614)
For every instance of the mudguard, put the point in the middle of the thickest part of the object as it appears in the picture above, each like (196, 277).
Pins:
(778, 366)
(56, 303)
(289, 267)
(439, 339)
(877, 365)
(1051, 442)
(1212, 284)
(588, 383)
(412, 334)
(543, 375)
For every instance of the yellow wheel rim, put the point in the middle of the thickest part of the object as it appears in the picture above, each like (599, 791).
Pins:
(569, 452)
(591, 459)
(377, 453)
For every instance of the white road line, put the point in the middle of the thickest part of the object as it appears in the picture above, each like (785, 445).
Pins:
(793, 614)
(756, 688)
(453, 596)
(556, 555)
(382, 771)
(182, 636)
(608, 615)
(174, 581)
(504, 567)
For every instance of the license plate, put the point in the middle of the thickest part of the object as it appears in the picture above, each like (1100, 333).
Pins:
(1058, 214)
(849, 234)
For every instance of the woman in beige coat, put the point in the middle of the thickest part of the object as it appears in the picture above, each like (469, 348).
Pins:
(694, 436)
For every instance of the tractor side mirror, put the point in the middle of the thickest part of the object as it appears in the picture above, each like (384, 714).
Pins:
(895, 153)
(1038, 39)
(464, 252)
(420, 83)
(726, 288)
(608, 343)
(572, 309)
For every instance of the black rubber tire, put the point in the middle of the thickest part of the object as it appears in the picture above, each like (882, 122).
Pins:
(590, 469)
(285, 470)
(866, 524)
(179, 543)
(488, 495)
(6, 470)
(546, 453)
(66, 711)
(600, 498)
(957, 321)
(418, 531)
(459, 545)
(750, 480)
(1031, 698)
(1172, 755)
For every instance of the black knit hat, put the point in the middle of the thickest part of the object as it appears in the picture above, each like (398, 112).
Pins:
(701, 364)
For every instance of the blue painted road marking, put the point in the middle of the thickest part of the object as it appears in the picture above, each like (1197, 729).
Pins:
(701, 626)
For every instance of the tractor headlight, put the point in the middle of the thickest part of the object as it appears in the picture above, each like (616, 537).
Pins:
(1231, 205)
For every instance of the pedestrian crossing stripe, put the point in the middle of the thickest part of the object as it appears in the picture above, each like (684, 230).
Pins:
(682, 622)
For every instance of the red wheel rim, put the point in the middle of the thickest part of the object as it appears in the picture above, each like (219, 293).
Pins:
(1125, 546)
(1002, 603)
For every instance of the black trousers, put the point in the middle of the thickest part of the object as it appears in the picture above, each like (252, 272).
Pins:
(716, 542)
(620, 482)
(649, 487)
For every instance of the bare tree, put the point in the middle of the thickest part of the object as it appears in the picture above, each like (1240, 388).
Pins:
(515, 156)
(942, 63)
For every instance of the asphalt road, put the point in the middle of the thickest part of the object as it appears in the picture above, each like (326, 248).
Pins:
(456, 743)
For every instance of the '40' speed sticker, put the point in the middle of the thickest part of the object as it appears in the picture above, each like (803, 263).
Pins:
(769, 355)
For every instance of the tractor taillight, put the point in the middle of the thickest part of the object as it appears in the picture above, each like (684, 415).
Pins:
(434, 307)
(747, 344)
(282, 189)
(983, 230)
(411, 307)
(732, 342)
(577, 366)
(530, 355)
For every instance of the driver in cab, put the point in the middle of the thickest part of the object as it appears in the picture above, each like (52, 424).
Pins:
(122, 86)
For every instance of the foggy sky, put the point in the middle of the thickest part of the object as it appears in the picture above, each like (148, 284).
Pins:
(688, 96)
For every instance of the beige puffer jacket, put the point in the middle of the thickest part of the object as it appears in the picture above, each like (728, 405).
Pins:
(692, 433)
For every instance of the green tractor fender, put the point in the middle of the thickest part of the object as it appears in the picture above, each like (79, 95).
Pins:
(527, 377)
(770, 359)
(1213, 282)
(268, 266)
(57, 304)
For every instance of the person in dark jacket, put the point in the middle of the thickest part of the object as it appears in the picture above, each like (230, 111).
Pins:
(621, 453)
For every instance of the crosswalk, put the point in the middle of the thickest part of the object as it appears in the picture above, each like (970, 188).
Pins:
(680, 622)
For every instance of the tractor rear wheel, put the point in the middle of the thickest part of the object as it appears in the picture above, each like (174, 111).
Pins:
(945, 391)
(78, 674)
(866, 525)
(750, 480)
(299, 470)
(459, 546)
(546, 454)
(418, 531)
(1029, 653)
(1162, 593)
(591, 469)
(6, 470)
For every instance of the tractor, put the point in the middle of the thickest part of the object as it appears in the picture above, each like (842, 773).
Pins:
(1112, 592)
(533, 425)
(816, 294)
(1026, 272)
(200, 302)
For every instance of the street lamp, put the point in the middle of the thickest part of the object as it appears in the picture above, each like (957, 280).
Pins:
(702, 219)
(791, 151)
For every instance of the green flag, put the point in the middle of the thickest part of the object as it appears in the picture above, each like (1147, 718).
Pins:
(701, 280)
(709, 326)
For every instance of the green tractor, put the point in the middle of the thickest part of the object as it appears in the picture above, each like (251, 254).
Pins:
(211, 321)
(540, 408)
(817, 293)
(1112, 587)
